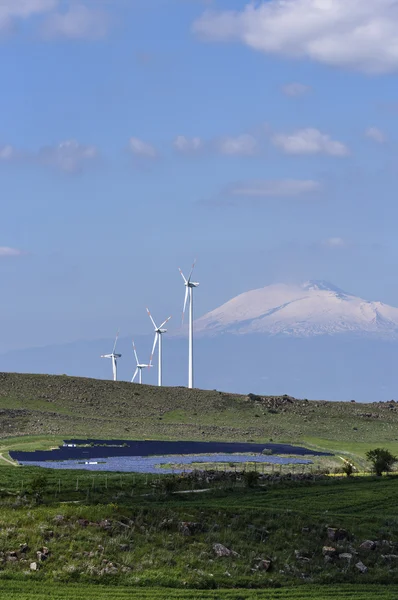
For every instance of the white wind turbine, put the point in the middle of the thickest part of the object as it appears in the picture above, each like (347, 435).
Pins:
(114, 358)
(189, 286)
(159, 331)
(139, 368)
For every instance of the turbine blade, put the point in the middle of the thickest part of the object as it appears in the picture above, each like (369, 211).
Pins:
(193, 266)
(155, 341)
(114, 346)
(185, 303)
(150, 316)
(182, 275)
(135, 353)
(164, 323)
(135, 375)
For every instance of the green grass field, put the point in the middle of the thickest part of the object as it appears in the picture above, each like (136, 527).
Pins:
(123, 535)
(12, 590)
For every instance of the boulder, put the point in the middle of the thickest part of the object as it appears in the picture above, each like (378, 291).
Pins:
(361, 567)
(368, 545)
(221, 550)
(33, 566)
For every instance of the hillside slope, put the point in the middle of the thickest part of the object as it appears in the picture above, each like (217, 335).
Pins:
(61, 406)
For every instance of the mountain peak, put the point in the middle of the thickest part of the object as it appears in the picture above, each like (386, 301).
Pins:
(321, 286)
(314, 308)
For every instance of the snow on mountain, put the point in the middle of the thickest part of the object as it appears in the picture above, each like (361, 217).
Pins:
(311, 309)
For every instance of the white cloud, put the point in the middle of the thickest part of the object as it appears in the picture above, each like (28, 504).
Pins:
(8, 153)
(335, 242)
(6, 252)
(142, 149)
(275, 188)
(375, 134)
(78, 22)
(295, 89)
(187, 145)
(355, 34)
(22, 9)
(69, 156)
(309, 141)
(243, 145)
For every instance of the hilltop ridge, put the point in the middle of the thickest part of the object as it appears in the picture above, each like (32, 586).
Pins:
(61, 406)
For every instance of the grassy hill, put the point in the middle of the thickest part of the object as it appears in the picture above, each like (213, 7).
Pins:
(51, 408)
(128, 536)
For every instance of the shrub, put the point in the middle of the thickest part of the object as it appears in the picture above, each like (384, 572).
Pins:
(251, 478)
(382, 460)
(347, 468)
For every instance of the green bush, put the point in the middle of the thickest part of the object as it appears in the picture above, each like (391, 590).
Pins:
(382, 460)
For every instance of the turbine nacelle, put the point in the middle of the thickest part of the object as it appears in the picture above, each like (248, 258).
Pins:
(139, 366)
(114, 358)
(189, 287)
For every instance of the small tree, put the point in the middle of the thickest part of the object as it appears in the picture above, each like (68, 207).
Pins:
(251, 478)
(348, 468)
(382, 460)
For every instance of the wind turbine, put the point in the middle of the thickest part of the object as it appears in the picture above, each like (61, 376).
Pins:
(159, 331)
(189, 286)
(114, 358)
(139, 368)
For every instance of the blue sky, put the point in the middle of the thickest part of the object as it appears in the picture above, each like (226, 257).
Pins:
(135, 136)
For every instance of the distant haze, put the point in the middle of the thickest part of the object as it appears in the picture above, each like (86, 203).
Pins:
(311, 341)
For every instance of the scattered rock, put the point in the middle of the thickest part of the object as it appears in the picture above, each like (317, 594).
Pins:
(83, 522)
(41, 556)
(221, 550)
(361, 567)
(368, 545)
(33, 566)
(329, 551)
(59, 518)
(345, 556)
(12, 558)
(264, 564)
(189, 528)
(335, 534)
(23, 548)
(389, 557)
(301, 557)
(105, 524)
(123, 547)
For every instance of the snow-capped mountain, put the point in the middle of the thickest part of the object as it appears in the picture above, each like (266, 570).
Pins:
(311, 309)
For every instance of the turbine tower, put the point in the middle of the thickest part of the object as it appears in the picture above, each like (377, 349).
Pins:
(139, 368)
(114, 358)
(189, 286)
(159, 331)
